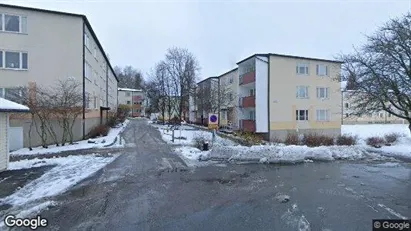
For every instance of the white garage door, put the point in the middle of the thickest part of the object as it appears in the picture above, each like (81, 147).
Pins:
(15, 138)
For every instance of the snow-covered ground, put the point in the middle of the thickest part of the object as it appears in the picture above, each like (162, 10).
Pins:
(83, 144)
(281, 153)
(67, 171)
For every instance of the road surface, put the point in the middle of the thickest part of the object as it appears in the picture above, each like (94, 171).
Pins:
(150, 188)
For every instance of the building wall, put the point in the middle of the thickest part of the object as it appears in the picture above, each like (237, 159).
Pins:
(261, 94)
(4, 150)
(284, 103)
(230, 81)
(54, 49)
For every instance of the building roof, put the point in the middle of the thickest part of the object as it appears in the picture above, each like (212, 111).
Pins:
(289, 56)
(228, 72)
(69, 14)
(10, 106)
(129, 89)
(209, 78)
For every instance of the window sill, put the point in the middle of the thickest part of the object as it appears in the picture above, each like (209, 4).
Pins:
(303, 98)
(12, 32)
(12, 69)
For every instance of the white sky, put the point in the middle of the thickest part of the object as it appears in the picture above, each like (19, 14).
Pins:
(221, 33)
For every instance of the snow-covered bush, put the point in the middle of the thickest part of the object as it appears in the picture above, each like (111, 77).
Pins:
(315, 140)
(292, 139)
(346, 140)
(199, 140)
(374, 141)
(391, 137)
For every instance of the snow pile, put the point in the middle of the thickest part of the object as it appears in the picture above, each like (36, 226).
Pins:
(401, 148)
(363, 131)
(83, 144)
(67, 172)
(287, 154)
(190, 155)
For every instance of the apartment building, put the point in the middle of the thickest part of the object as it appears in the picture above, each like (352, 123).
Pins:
(276, 94)
(206, 99)
(134, 98)
(350, 117)
(229, 84)
(39, 47)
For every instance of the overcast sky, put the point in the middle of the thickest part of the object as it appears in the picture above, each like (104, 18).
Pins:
(221, 33)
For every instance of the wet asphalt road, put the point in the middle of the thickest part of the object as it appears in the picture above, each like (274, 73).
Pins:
(150, 188)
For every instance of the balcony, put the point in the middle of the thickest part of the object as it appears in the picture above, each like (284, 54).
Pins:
(248, 101)
(247, 78)
(247, 125)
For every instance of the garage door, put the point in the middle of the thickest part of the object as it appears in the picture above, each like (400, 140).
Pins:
(15, 138)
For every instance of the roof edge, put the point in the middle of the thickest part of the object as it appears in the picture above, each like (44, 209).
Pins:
(232, 70)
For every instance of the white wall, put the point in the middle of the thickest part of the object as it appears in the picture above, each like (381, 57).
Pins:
(4, 158)
(261, 94)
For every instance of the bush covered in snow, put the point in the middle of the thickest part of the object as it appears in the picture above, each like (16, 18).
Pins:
(292, 139)
(391, 137)
(346, 140)
(99, 130)
(199, 140)
(375, 141)
(316, 140)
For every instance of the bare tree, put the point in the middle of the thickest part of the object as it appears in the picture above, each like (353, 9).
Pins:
(380, 71)
(182, 68)
(129, 77)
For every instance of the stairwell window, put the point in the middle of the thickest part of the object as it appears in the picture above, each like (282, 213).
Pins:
(323, 115)
(322, 70)
(302, 69)
(301, 115)
(13, 23)
(302, 92)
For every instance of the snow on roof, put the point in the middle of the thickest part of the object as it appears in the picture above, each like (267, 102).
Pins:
(10, 106)
(129, 89)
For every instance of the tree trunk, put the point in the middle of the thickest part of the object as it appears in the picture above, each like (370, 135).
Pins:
(409, 126)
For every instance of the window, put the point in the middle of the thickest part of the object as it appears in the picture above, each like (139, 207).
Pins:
(323, 115)
(302, 69)
(301, 114)
(347, 105)
(13, 23)
(230, 96)
(231, 80)
(302, 92)
(381, 114)
(322, 92)
(87, 72)
(346, 115)
(95, 77)
(322, 70)
(95, 101)
(14, 60)
(389, 115)
(1, 59)
(87, 41)
(252, 115)
(252, 91)
(127, 94)
(24, 61)
(87, 100)
(128, 102)
(95, 52)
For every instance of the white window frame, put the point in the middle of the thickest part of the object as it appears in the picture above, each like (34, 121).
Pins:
(3, 63)
(251, 115)
(305, 117)
(320, 71)
(95, 52)
(21, 18)
(323, 115)
(326, 91)
(87, 41)
(305, 96)
(306, 68)
(88, 72)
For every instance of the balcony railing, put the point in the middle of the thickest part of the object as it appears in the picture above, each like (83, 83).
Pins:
(247, 125)
(247, 78)
(248, 101)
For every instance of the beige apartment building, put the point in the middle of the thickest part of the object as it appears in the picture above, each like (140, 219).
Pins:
(39, 47)
(228, 111)
(278, 94)
(133, 98)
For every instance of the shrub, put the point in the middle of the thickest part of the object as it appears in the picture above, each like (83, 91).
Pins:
(346, 140)
(251, 138)
(375, 141)
(198, 141)
(392, 137)
(315, 140)
(292, 139)
(99, 130)
(111, 121)
(276, 140)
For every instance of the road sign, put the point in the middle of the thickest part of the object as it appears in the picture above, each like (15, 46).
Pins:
(212, 121)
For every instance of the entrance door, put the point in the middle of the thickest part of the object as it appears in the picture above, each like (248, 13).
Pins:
(15, 138)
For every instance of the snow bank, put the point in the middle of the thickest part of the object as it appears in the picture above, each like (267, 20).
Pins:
(288, 154)
(190, 155)
(83, 144)
(364, 131)
(67, 172)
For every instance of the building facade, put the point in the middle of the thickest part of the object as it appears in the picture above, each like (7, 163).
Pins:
(133, 98)
(206, 99)
(40, 47)
(275, 94)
